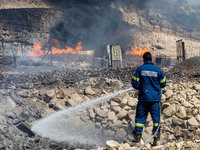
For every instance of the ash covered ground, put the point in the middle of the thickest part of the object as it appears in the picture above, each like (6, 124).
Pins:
(28, 97)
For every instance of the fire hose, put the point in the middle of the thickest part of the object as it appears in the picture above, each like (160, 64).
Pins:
(155, 132)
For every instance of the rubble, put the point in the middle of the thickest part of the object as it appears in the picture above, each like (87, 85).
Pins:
(115, 117)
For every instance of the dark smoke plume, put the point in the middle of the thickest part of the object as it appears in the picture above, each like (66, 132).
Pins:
(92, 22)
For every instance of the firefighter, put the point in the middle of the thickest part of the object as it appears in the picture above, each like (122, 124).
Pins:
(149, 80)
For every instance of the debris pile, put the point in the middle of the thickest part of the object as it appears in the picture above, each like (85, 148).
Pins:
(30, 97)
(188, 68)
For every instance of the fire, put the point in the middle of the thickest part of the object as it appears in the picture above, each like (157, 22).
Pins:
(37, 51)
(137, 51)
(104, 57)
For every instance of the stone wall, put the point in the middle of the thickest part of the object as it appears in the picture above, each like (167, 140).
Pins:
(164, 44)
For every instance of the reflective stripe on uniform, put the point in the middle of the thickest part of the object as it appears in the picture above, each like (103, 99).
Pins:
(155, 124)
(139, 125)
(149, 73)
(135, 78)
(163, 80)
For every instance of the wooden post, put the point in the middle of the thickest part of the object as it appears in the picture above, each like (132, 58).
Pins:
(180, 47)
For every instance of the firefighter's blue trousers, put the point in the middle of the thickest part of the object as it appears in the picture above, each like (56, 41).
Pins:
(141, 115)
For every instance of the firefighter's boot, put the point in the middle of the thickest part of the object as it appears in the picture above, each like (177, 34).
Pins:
(136, 140)
(137, 136)
(156, 141)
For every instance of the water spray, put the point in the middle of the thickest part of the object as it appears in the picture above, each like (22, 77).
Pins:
(66, 125)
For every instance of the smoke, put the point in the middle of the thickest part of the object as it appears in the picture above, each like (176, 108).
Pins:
(92, 22)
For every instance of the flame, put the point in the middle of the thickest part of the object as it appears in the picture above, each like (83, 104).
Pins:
(137, 51)
(37, 51)
(56, 41)
(104, 57)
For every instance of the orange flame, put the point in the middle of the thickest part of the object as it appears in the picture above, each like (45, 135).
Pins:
(37, 50)
(104, 57)
(56, 41)
(137, 51)
(56, 50)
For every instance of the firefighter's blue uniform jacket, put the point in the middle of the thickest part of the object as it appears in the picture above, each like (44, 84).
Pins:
(149, 80)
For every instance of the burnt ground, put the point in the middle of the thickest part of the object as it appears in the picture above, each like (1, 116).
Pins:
(23, 100)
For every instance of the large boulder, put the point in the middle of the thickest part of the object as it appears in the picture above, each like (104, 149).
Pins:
(170, 111)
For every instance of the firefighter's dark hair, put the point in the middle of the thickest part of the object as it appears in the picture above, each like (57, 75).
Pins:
(147, 56)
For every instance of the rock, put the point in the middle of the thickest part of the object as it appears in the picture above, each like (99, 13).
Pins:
(165, 105)
(157, 147)
(123, 113)
(198, 118)
(193, 122)
(187, 104)
(108, 133)
(163, 97)
(170, 111)
(51, 93)
(195, 112)
(177, 131)
(74, 99)
(169, 94)
(111, 115)
(70, 102)
(112, 145)
(176, 121)
(116, 99)
(101, 113)
(113, 104)
(194, 99)
(117, 109)
(89, 91)
(181, 113)
(196, 87)
(121, 133)
(171, 137)
(125, 146)
(25, 127)
(124, 102)
(92, 114)
(18, 111)
(59, 93)
(132, 101)
(127, 108)
(59, 106)
(24, 94)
